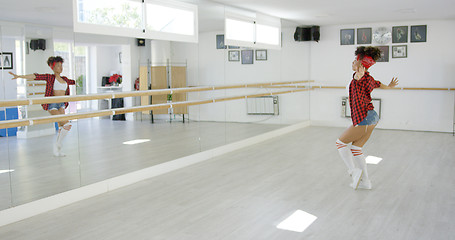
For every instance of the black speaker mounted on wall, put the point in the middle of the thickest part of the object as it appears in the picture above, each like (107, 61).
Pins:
(38, 44)
(302, 34)
(140, 42)
(315, 34)
(307, 34)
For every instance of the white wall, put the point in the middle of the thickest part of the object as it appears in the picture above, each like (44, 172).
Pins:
(291, 63)
(107, 62)
(36, 61)
(429, 64)
(8, 88)
(161, 52)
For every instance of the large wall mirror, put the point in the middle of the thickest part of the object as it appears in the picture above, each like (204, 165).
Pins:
(100, 148)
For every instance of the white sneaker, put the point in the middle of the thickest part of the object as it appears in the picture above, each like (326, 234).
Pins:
(363, 185)
(58, 151)
(60, 154)
(356, 177)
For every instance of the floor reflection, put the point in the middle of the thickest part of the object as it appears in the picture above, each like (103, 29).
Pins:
(95, 151)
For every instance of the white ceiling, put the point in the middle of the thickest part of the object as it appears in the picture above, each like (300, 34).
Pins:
(329, 12)
(298, 12)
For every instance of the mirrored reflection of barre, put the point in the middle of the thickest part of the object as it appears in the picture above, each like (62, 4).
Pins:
(397, 88)
(102, 113)
(74, 98)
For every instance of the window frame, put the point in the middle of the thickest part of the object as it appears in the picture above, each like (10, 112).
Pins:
(259, 19)
(141, 32)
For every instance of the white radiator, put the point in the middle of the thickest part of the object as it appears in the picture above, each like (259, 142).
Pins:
(266, 105)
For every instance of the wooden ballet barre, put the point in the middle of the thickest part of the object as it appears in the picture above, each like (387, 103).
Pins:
(115, 111)
(154, 92)
(427, 89)
(396, 88)
(328, 87)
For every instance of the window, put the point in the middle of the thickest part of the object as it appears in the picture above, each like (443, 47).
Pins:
(267, 34)
(63, 49)
(80, 68)
(169, 20)
(153, 19)
(239, 30)
(259, 31)
(117, 13)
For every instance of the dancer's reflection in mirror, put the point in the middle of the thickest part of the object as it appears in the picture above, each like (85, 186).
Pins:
(56, 85)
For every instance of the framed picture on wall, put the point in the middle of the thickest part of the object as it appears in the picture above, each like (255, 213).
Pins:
(347, 36)
(234, 56)
(261, 55)
(384, 54)
(400, 34)
(247, 56)
(419, 33)
(364, 36)
(400, 51)
(7, 60)
(220, 42)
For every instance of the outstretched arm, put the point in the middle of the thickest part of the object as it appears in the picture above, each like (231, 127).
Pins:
(392, 84)
(28, 77)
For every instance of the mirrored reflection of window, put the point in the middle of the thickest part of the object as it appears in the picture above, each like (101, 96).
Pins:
(117, 13)
(19, 63)
(81, 73)
(169, 19)
(63, 49)
(80, 68)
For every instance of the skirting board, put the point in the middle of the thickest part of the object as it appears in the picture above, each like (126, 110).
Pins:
(34, 208)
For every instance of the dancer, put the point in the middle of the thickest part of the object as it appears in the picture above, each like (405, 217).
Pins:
(56, 85)
(364, 118)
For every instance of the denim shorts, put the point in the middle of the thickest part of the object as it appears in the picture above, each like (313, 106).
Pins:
(372, 118)
(56, 106)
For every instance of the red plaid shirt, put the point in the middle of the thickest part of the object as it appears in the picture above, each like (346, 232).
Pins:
(360, 98)
(50, 79)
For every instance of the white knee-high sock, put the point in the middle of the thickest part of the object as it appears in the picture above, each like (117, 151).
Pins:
(56, 146)
(62, 134)
(346, 155)
(360, 160)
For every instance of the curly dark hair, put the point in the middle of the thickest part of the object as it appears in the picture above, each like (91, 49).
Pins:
(52, 60)
(373, 52)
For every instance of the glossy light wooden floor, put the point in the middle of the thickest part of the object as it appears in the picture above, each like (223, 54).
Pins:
(95, 152)
(245, 194)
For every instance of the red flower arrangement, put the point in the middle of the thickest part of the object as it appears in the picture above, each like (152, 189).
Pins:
(116, 78)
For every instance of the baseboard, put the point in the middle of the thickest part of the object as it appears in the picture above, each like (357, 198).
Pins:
(34, 208)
